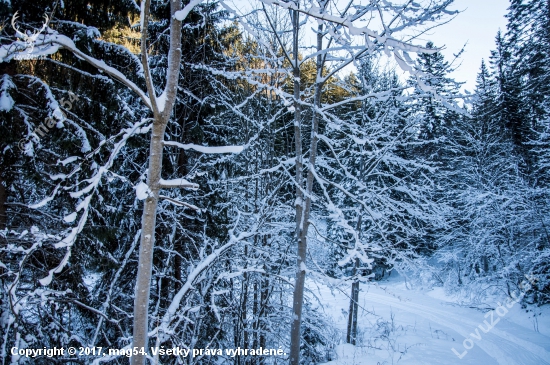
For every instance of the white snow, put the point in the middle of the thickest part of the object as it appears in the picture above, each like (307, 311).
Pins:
(161, 101)
(58, 176)
(182, 14)
(91, 280)
(6, 101)
(44, 201)
(51, 42)
(182, 183)
(191, 277)
(179, 203)
(403, 326)
(68, 160)
(204, 149)
(70, 218)
(142, 190)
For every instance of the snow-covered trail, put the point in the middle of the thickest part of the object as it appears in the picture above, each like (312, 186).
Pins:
(499, 342)
(425, 329)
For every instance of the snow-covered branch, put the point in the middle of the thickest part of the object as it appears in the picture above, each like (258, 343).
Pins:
(179, 203)
(205, 149)
(193, 275)
(177, 183)
(51, 42)
(316, 13)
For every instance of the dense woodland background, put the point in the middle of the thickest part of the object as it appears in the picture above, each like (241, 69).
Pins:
(451, 190)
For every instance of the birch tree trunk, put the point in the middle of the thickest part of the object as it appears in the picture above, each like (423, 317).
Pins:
(148, 221)
(145, 263)
(298, 295)
(303, 205)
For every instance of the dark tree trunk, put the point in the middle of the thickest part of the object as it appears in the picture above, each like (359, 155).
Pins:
(177, 266)
(3, 199)
(353, 308)
(354, 298)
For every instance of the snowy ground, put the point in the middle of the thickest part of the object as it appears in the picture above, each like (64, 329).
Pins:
(400, 326)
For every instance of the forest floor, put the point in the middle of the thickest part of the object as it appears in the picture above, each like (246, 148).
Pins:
(401, 326)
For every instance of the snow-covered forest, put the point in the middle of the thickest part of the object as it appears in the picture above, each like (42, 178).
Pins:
(271, 182)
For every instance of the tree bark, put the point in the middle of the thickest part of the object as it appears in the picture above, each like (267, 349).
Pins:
(303, 205)
(351, 336)
(177, 266)
(298, 294)
(244, 304)
(3, 199)
(353, 307)
(148, 222)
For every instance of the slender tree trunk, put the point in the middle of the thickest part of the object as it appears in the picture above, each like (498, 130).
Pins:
(244, 303)
(298, 295)
(256, 304)
(354, 298)
(355, 310)
(304, 204)
(353, 307)
(350, 313)
(177, 266)
(263, 313)
(3, 199)
(245, 284)
(236, 319)
(264, 302)
(255, 315)
(148, 222)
